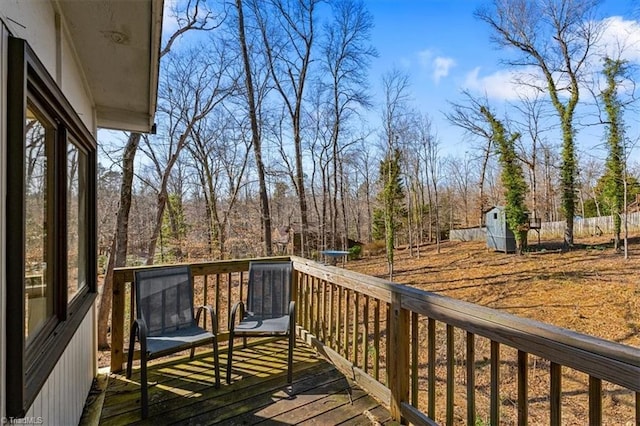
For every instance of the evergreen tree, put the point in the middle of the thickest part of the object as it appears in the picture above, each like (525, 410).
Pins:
(391, 199)
(512, 179)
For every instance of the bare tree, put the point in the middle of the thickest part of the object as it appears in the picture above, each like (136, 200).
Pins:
(467, 116)
(346, 56)
(556, 38)
(430, 154)
(288, 30)
(256, 140)
(191, 89)
(532, 129)
(460, 175)
(220, 153)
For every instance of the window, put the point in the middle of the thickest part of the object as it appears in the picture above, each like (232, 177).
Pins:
(39, 136)
(51, 260)
(76, 220)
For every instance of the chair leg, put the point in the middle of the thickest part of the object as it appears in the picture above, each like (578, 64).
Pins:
(229, 356)
(216, 361)
(143, 385)
(292, 340)
(132, 343)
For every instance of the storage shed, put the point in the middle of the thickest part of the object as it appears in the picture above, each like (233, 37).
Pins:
(499, 236)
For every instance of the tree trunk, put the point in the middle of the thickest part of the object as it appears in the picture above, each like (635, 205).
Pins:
(255, 134)
(118, 256)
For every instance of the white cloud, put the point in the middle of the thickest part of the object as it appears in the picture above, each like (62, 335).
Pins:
(620, 39)
(502, 85)
(437, 66)
(442, 66)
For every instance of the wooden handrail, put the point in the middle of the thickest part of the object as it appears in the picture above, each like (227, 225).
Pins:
(369, 328)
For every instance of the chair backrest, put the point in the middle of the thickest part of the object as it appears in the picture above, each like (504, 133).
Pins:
(164, 298)
(269, 289)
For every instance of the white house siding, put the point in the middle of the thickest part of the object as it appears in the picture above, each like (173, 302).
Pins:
(74, 86)
(61, 400)
(36, 23)
(3, 196)
(62, 397)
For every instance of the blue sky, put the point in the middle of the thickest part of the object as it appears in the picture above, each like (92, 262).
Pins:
(445, 49)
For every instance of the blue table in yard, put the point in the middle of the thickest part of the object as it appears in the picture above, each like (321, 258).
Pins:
(334, 255)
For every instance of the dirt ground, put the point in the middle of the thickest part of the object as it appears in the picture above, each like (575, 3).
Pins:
(590, 289)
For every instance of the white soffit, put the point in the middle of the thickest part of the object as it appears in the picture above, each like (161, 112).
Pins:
(117, 43)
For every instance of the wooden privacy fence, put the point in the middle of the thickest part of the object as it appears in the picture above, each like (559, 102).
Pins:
(431, 358)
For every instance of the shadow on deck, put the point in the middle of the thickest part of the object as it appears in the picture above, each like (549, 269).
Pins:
(181, 391)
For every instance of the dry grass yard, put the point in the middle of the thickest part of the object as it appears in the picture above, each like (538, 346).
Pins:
(591, 289)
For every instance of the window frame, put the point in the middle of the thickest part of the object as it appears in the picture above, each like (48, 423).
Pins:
(28, 368)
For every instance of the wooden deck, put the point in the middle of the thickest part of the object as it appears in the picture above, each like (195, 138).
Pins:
(182, 392)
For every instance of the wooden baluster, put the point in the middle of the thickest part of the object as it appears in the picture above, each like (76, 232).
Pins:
(228, 295)
(317, 308)
(345, 327)
(332, 335)
(323, 317)
(339, 320)
(450, 373)
(354, 337)
(471, 379)
(241, 292)
(431, 355)
(205, 301)
(217, 302)
(556, 389)
(595, 401)
(305, 306)
(523, 389)
(415, 362)
(495, 383)
(365, 339)
(376, 339)
(313, 318)
(388, 338)
(309, 291)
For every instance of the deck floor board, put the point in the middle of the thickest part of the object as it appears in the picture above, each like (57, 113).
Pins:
(182, 392)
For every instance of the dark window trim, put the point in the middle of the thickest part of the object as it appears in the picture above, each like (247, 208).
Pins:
(28, 370)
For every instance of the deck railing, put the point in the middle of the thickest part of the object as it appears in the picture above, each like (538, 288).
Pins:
(429, 357)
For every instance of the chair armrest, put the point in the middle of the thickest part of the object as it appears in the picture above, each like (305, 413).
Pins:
(140, 326)
(292, 316)
(232, 316)
(212, 315)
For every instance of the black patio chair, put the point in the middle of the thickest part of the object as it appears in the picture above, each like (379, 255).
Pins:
(165, 321)
(269, 310)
